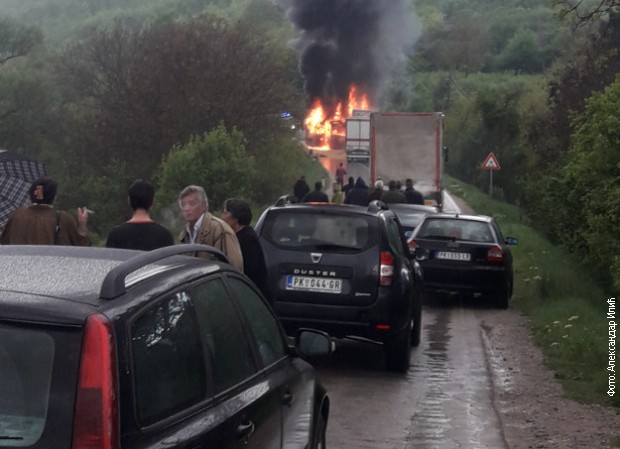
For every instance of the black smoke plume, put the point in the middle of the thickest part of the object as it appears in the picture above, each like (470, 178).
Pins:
(341, 42)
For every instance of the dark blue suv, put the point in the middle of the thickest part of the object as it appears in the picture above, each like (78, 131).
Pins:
(111, 349)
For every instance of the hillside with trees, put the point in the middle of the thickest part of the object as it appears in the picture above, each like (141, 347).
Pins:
(107, 91)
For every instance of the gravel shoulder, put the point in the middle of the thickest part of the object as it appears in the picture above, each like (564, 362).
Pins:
(529, 400)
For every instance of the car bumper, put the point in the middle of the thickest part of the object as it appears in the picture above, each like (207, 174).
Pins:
(380, 321)
(478, 279)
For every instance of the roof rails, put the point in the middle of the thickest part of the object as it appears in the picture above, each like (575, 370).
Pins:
(284, 200)
(376, 206)
(113, 285)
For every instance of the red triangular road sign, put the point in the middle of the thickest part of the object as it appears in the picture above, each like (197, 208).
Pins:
(490, 163)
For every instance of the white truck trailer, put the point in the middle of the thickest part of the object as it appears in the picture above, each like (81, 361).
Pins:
(409, 146)
(357, 141)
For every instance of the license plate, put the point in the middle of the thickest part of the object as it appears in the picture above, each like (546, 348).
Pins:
(448, 255)
(314, 284)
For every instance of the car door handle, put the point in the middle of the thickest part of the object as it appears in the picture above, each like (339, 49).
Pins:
(245, 431)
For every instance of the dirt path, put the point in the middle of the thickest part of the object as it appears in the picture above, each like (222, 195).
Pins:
(529, 400)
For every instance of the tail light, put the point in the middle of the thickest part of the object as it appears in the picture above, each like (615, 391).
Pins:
(495, 254)
(96, 423)
(412, 244)
(386, 269)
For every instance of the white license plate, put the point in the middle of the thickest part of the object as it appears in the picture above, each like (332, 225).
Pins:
(448, 255)
(314, 284)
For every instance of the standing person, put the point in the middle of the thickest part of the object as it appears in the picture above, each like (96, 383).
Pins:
(238, 215)
(375, 194)
(41, 224)
(300, 188)
(358, 194)
(317, 195)
(337, 197)
(413, 196)
(140, 232)
(341, 172)
(204, 228)
(348, 187)
(393, 195)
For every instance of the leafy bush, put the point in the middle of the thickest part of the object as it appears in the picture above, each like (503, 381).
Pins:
(216, 161)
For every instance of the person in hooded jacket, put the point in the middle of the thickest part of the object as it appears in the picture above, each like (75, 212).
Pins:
(359, 194)
(348, 186)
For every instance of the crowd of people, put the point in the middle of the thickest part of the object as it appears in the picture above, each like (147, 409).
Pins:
(42, 224)
(357, 191)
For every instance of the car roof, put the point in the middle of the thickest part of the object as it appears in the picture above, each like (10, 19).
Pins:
(373, 208)
(86, 277)
(396, 207)
(455, 216)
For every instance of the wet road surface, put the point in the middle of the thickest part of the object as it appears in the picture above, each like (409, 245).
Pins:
(445, 401)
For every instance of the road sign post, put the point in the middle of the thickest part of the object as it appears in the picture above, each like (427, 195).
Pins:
(491, 164)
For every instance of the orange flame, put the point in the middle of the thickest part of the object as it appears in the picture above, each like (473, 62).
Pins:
(324, 133)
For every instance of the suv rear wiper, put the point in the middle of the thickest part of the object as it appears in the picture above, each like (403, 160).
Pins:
(10, 437)
(325, 246)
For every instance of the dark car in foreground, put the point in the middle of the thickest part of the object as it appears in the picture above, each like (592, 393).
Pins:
(466, 254)
(345, 270)
(117, 349)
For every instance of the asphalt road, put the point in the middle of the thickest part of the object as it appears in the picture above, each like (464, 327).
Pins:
(446, 399)
(444, 402)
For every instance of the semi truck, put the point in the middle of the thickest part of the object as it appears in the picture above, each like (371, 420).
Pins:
(409, 146)
(357, 137)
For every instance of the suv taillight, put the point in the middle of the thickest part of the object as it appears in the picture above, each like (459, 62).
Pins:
(412, 244)
(495, 254)
(96, 407)
(386, 269)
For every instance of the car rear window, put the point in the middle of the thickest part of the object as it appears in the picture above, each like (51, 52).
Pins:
(26, 364)
(469, 230)
(304, 230)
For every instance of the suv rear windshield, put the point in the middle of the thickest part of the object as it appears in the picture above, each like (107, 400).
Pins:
(474, 231)
(319, 230)
(26, 362)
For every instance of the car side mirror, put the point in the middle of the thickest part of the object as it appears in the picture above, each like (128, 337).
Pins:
(511, 241)
(310, 342)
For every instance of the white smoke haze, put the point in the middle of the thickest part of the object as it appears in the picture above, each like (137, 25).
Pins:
(344, 42)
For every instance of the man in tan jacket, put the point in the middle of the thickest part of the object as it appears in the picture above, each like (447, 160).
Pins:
(41, 224)
(204, 228)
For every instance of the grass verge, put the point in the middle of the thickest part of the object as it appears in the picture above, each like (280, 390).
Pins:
(566, 308)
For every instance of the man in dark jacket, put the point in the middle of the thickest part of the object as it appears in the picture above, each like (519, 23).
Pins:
(413, 196)
(359, 194)
(238, 215)
(300, 188)
(348, 186)
(376, 193)
(393, 195)
(316, 196)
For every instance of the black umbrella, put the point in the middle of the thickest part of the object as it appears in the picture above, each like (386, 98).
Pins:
(16, 176)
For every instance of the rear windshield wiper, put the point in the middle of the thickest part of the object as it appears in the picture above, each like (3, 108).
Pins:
(10, 437)
(326, 246)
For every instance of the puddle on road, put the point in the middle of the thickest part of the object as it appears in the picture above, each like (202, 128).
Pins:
(457, 408)
(430, 421)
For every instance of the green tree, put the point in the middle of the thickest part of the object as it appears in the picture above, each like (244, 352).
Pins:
(591, 180)
(17, 40)
(216, 161)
